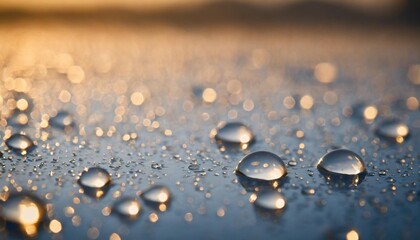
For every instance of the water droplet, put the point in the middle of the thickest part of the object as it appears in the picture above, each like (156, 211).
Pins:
(157, 194)
(392, 129)
(194, 167)
(270, 200)
(63, 120)
(234, 134)
(19, 142)
(95, 177)
(156, 166)
(24, 210)
(262, 165)
(342, 163)
(127, 207)
(308, 191)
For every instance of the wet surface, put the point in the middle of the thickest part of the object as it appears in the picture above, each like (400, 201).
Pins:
(144, 103)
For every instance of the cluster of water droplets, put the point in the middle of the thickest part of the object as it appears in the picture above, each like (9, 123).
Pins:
(261, 172)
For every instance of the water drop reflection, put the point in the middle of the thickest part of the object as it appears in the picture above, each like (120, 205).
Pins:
(23, 211)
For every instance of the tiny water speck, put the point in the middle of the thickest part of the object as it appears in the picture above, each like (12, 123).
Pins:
(262, 165)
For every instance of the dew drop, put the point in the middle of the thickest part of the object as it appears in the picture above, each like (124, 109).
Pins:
(392, 129)
(25, 210)
(19, 142)
(157, 194)
(342, 166)
(262, 165)
(127, 207)
(95, 177)
(270, 200)
(235, 133)
(62, 120)
(343, 162)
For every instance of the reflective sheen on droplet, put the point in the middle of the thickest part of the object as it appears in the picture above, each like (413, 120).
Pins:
(393, 129)
(19, 142)
(234, 133)
(127, 207)
(157, 194)
(62, 120)
(262, 165)
(342, 168)
(342, 162)
(25, 210)
(270, 200)
(95, 177)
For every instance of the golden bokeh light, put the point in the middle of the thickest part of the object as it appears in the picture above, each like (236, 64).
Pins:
(209, 95)
(352, 235)
(414, 74)
(370, 113)
(325, 72)
(114, 236)
(307, 102)
(137, 98)
(75, 74)
(412, 103)
(55, 226)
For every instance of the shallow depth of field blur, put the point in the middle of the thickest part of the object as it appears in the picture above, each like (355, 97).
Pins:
(142, 89)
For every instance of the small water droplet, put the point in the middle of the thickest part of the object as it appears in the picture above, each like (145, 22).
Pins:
(24, 210)
(19, 142)
(270, 200)
(156, 166)
(157, 194)
(342, 164)
(63, 120)
(234, 134)
(95, 177)
(127, 207)
(262, 165)
(292, 163)
(194, 167)
(308, 191)
(393, 129)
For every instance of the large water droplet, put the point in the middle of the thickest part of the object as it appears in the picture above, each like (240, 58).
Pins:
(392, 129)
(95, 177)
(234, 134)
(262, 165)
(157, 194)
(342, 164)
(19, 142)
(270, 200)
(63, 120)
(24, 210)
(127, 207)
